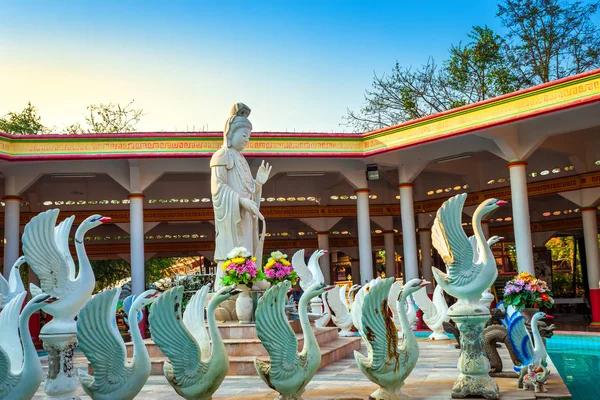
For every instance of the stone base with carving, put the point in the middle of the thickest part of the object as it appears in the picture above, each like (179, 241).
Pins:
(62, 380)
(473, 364)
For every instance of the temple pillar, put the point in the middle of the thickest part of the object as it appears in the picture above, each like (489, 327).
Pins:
(485, 227)
(409, 237)
(592, 254)
(323, 244)
(520, 210)
(390, 254)
(426, 259)
(364, 234)
(136, 228)
(355, 271)
(12, 210)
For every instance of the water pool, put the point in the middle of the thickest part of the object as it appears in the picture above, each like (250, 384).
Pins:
(577, 359)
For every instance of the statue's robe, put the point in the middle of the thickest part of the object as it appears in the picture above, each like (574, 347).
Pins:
(232, 180)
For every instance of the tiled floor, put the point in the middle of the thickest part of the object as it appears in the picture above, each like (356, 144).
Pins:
(432, 378)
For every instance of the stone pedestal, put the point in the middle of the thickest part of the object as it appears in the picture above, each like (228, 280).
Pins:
(473, 364)
(62, 380)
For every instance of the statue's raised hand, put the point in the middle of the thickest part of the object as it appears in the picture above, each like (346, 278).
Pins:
(263, 173)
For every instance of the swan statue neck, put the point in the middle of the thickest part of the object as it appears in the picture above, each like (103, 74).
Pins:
(409, 336)
(537, 338)
(309, 336)
(139, 348)
(485, 252)
(85, 268)
(215, 336)
(30, 356)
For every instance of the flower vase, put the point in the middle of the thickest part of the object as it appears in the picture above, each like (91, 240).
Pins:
(528, 313)
(243, 305)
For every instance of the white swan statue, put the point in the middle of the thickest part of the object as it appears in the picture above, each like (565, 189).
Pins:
(192, 370)
(14, 286)
(20, 368)
(289, 371)
(55, 268)
(387, 364)
(310, 273)
(529, 350)
(435, 312)
(342, 317)
(395, 304)
(469, 272)
(351, 293)
(324, 320)
(100, 340)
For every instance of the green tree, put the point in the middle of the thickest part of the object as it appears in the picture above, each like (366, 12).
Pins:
(545, 40)
(474, 71)
(109, 118)
(550, 39)
(26, 122)
(480, 69)
(110, 272)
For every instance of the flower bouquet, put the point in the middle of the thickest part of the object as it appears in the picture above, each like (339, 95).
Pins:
(240, 268)
(279, 269)
(525, 291)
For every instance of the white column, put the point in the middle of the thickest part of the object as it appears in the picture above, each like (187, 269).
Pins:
(426, 260)
(520, 209)
(409, 236)
(390, 254)
(592, 255)
(12, 209)
(323, 244)
(136, 221)
(364, 234)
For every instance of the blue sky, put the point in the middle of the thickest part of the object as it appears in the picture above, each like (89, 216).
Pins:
(298, 65)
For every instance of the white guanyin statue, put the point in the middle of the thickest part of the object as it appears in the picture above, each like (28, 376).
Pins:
(235, 193)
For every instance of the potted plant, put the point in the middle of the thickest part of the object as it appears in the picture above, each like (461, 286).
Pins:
(279, 269)
(240, 269)
(527, 294)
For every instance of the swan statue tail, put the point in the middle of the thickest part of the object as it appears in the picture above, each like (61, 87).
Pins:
(264, 371)
(87, 381)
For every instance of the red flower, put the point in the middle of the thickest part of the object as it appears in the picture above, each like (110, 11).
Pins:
(545, 297)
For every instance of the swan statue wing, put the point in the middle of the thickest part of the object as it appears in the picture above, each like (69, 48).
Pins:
(519, 336)
(174, 339)
(10, 380)
(450, 240)
(438, 299)
(335, 302)
(61, 233)
(44, 256)
(306, 277)
(4, 291)
(193, 319)
(101, 342)
(426, 305)
(275, 332)
(12, 287)
(343, 295)
(377, 325)
(10, 341)
(314, 267)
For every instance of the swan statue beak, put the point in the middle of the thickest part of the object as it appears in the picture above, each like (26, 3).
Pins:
(501, 238)
(501, 203)
(424, 283)
(329, 287)
(234, 292)
(154, 294)
(105, 219)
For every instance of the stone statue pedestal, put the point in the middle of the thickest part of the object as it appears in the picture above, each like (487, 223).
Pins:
(62, 379)
(473, 364)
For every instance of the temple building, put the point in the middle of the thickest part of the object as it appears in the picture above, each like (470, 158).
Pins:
(354, 194)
